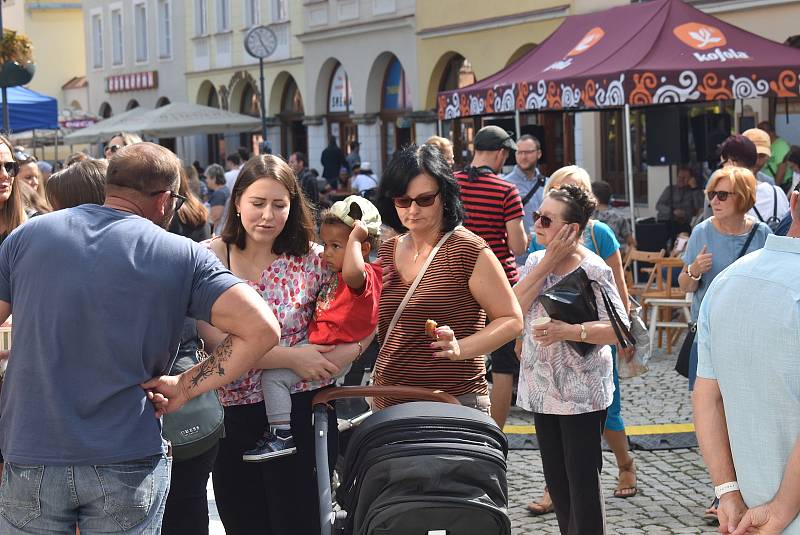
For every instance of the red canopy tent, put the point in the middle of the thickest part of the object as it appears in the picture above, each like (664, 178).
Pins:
(658, 52)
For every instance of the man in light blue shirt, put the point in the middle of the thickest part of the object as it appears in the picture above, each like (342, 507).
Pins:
(747, 394)
(529, 182)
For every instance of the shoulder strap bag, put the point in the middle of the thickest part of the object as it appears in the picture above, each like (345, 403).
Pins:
(682, 364)
(198, 425)
(528, 196)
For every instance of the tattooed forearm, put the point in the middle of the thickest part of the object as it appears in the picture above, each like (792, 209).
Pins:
(213, 364)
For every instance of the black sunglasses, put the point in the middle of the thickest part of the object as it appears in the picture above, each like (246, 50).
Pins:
(113, 148)
(543, 220)
(422, 201)
(11, 168)
(721, 195)
(180, 199)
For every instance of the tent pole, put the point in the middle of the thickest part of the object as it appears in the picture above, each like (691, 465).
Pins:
(56, 154)
(439, 127)
(626, 124)
(517, 124)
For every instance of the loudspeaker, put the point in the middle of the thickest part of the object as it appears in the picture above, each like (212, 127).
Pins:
(709, 130)
(667, 135)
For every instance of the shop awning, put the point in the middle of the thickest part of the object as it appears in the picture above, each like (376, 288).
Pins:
(659, 52)
(184, 119)
(105, 129)
(29, 110)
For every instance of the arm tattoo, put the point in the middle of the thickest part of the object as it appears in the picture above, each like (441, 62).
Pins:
(213, 364)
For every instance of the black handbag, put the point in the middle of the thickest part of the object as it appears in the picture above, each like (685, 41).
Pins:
(198, 425)
(682, 364)
(572, 300)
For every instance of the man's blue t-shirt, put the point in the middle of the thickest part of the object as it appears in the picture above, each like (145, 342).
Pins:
(98, 298)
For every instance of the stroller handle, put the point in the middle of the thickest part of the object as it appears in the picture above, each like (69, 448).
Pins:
(404, 392)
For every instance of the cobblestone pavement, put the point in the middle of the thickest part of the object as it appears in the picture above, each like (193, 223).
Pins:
(674, 488)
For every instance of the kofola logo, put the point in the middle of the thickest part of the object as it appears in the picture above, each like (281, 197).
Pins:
(591, 38)
(708, 40)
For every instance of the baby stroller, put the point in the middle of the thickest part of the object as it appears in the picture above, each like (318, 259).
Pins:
(424, 468)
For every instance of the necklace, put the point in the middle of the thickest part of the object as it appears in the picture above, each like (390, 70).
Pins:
(416, 251)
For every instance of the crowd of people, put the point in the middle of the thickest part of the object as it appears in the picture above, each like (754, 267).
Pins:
(286, 277)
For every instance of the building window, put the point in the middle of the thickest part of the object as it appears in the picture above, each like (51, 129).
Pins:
(97, 41)
(252, 13)
(164, 29)
(201, 17)
(223, 15)
(116, 37)
(280, 10)
(140, 27)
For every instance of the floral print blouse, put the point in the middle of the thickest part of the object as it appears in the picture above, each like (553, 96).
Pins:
(290, 286)
(557, 379)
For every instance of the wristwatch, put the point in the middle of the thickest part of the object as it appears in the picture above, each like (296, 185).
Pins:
(725, 488)
(584, 334)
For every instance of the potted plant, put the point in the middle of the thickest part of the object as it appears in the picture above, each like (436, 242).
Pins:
(16, 59)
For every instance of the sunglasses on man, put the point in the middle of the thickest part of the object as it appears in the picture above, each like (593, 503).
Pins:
(423, 201)
(179, 199)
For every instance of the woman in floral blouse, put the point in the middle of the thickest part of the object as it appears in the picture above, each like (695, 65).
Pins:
(267, 240)
(568, 393)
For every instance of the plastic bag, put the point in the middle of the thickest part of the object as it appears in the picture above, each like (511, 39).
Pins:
(637, 365)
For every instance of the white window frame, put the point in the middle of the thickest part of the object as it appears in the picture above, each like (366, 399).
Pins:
(274, 11)
(223, 16)
(164, 36)
(201, 17)
(98, 52)
(138, 60)
(252, 13)
(117, 8)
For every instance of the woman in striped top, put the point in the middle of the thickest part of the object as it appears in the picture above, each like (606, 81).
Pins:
(462, 285)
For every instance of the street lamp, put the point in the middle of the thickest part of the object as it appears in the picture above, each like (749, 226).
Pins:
(261, 42)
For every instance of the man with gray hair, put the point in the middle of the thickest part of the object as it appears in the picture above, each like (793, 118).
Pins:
(99, 295)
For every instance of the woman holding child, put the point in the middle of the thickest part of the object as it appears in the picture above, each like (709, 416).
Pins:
(267, 241)
(463, 284)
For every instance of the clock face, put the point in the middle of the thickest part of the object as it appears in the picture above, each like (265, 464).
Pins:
(260, 42)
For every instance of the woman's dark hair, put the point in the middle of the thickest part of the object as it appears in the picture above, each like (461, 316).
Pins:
(296, 236)
(83, 182)
(739, 150)
(193, 213)
(602, 191)
(408, 163)
(580, 205)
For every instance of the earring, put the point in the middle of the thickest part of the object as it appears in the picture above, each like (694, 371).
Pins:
(238, 214)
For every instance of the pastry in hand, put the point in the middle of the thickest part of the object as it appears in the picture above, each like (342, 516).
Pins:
(430, 329)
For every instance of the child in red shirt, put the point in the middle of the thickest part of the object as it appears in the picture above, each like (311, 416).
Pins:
(346, 310)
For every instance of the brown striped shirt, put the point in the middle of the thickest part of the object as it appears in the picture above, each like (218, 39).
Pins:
(490, 202)
(443, 295)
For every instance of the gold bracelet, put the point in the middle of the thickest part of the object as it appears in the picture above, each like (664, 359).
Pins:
(360, 350)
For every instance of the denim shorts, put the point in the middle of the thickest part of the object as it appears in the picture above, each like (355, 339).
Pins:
(124, 498)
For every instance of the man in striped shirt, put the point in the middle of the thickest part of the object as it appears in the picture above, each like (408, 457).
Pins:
(494, 212)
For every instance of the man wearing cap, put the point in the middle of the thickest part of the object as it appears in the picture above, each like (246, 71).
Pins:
(771, 201)
(494, 212)
(779, 148)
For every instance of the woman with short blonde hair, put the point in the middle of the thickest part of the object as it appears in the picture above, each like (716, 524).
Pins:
(445, 146)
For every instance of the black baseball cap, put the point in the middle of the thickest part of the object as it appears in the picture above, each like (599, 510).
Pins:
(493, 137)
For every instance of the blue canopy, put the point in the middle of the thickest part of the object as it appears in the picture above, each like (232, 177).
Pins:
(29, 110)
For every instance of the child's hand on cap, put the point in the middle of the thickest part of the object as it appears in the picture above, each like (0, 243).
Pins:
(359, 232)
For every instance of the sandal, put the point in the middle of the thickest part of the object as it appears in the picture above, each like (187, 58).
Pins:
(543, 506)
(710, 515)
(627, 489)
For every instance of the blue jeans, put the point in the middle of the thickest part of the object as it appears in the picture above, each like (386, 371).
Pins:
(122, 498)
(614, 416)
